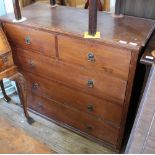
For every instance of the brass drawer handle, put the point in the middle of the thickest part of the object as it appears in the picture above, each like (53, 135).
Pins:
(89, 128)
(27, 40)
(90, 83)
(91, 57)
(35, 85)
(90, 108)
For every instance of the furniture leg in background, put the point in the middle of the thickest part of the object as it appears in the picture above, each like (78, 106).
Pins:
(22, 91)
(99, 4)
(118, 9)
(9, 70)
(5, 96)
(53, 2)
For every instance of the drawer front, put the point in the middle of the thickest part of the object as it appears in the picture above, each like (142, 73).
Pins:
(32, 39)
(6, 61)
(107, 111)
(73, 118)
(93, 82)
(95, 56)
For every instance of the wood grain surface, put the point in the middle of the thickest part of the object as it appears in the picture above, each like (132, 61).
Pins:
(14, 140)
(69, 75)
(57, 138)
(112, 29)
(18, 36)
(76, 99)
(81, 122)
(61, 56)
(4, 46)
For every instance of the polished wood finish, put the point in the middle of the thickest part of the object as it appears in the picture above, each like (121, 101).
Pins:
(76, 119)
(54, 20)
(85, 103)
(103, 56)
(63, 72)
(31, 39)
(83, 84)
(17, 10)
(6, 61)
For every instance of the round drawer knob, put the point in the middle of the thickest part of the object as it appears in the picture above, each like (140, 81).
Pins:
(90, 108)
(91, 57)
(90, 83)
(31, 63)
(89, 128)
(27, 40)
(35, 85)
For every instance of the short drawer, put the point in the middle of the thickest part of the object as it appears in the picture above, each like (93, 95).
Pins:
(92, 82)
(95, 56)
(66, 116)
(32, 39)
(107, 111)
(6, 61)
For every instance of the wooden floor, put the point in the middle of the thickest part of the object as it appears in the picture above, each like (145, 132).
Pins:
(15, 140)
(58, 139)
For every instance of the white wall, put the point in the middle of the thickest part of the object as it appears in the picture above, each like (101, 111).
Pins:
(112, 5)
(8, 5)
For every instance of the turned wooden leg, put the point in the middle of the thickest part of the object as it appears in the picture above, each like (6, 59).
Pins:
(6, 97)
(21, 87)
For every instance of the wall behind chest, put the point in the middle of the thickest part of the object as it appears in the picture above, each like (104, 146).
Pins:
(2, 6)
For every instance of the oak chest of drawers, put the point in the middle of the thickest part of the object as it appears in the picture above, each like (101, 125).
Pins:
(82, 84)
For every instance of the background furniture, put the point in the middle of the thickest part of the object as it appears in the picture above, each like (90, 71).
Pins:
(140, 8)
(9, 70)
(82, 84)
(142, 137)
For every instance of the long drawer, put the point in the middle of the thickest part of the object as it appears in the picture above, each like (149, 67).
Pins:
(95, 82)
(32, 39)
(95, 56)
(73, 118)
(107, 111)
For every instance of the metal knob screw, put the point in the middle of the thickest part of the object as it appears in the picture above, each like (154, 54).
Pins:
(91, 57)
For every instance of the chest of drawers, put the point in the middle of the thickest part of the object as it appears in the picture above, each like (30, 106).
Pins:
(82, 84)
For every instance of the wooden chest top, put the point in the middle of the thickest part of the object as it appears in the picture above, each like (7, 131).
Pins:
(74, 22)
